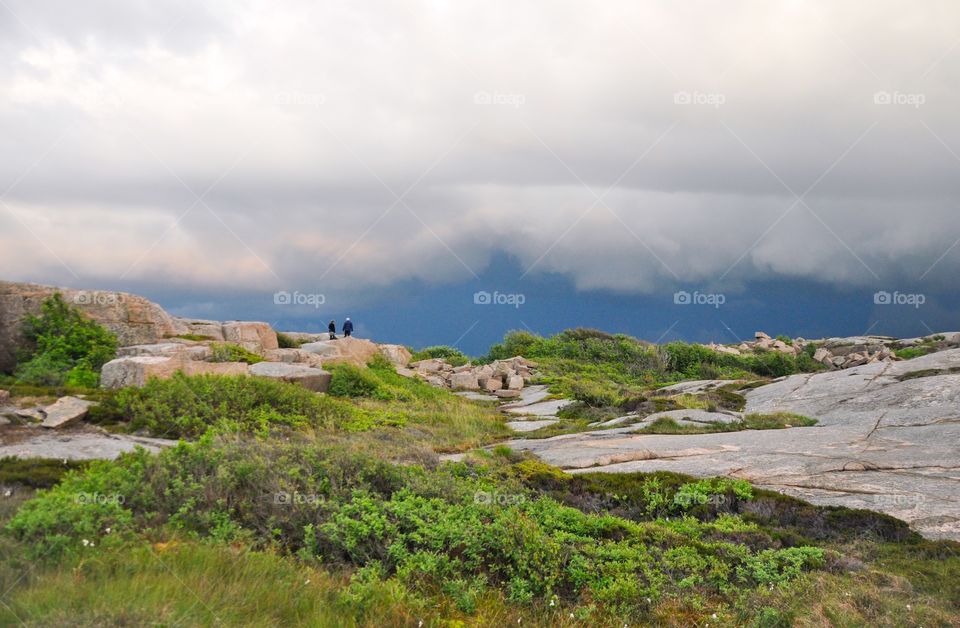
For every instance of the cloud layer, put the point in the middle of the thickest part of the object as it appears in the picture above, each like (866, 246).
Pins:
(631, 146)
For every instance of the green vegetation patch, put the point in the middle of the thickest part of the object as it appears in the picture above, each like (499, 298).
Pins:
(63, 347)
(230, 352)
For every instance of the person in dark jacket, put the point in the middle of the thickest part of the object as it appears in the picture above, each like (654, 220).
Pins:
(347, 327)
(332, 328)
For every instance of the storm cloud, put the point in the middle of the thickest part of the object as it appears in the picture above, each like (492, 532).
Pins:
(628, 146)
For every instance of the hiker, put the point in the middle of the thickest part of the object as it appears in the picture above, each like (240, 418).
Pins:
(332, 328)
(347, 327)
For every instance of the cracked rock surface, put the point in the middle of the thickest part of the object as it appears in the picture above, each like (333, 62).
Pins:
(883, 442)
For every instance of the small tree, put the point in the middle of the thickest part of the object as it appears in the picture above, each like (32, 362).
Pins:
(63, 347)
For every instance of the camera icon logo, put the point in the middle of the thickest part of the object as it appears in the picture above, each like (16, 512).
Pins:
(681, 297)
(282, 498)
(282, 298)
(882, 298)
(482, 298)
(882, 98)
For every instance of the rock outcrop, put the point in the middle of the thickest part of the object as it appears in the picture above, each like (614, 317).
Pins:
(134, 319)
(886, 440)
(313, 379)
(843, 353)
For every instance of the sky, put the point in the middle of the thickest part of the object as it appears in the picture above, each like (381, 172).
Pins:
(445, 172)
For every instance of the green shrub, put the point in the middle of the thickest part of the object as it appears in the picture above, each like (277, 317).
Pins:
(63, 347)
(230, 352)
(186, 407)
(286, 342)
(452, 356)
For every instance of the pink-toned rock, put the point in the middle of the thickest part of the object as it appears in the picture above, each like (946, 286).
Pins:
(134, 319)
(136, 371)
(492, 384)
(464, 380)
(313, 379)
(253, 336)
(515, 382)
(398, 355)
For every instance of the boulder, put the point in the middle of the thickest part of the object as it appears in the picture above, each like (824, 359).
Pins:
(515, 382)
(310, 378)
(346, 350)
(430, 365)
(398, 355)
(504, 393)
(253, 336)
(210, 329)
(134, 320)
(294, 356)
(4, 397)
(187, 351)
(761, 336)
(135, 371)
(64, 411)
(405, 372)
(492, 384)
(464, 380)
(823, 356)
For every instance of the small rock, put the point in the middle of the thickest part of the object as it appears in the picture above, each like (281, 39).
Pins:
(64, 411)
(507, 393)
(464, 380)
(4, 397)
(310, 378)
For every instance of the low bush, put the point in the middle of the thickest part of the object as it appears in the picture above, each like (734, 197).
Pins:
(452, 356)
(63, 347)
(230, 352)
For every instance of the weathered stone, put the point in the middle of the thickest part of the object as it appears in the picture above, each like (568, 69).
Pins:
(761, 336)
(504, 393)
(253, 336)
(529, 426)
(822, 355)
(4, 397)
(212, 330)
(135, 371)
(346, 350)
(464, 380)
(405, 371)
(294, 356)
(515, 382)
(188, 351)
(313, 379)
(80, 442)
(430, 365)
(398, 355)
(880, 443)
(133, 319)
(64, 411)
(492, 384)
